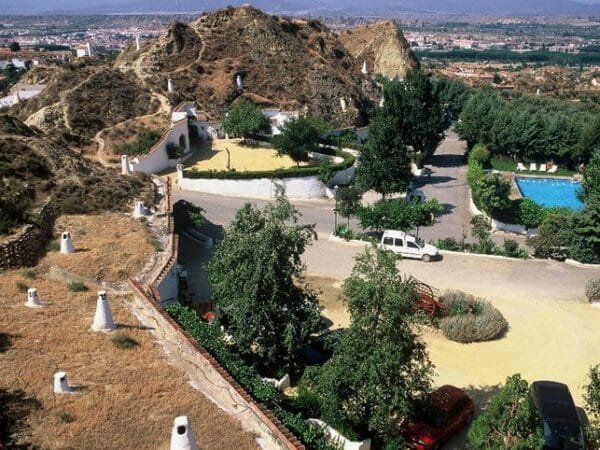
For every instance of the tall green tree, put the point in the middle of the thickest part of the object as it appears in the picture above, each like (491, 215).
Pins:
(381, 369)
(255, 276)
(591, 396)
(298, 138)
(245, 118)
(348, 201)
(491, 193)
(509, 422)
(384, 163)
(399, 214)
(586, 224)
(14, 47)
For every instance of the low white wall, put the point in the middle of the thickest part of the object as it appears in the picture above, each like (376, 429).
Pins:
(336, 437)
(300, 188)
(157, 160)
(496, 224)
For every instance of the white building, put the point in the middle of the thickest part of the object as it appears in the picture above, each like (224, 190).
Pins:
(278, 118)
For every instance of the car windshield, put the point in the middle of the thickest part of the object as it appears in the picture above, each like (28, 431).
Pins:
(420, 242)
(563, 435)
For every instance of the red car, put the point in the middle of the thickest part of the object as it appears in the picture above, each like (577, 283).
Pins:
(450, 411)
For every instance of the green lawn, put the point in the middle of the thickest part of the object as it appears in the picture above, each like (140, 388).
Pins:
(507, 165)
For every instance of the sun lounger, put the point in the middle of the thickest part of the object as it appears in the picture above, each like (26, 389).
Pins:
(542, 167)
(553, 169)
(533, 167)
(521, 167)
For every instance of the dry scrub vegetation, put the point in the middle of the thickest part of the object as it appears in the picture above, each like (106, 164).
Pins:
(129, 397)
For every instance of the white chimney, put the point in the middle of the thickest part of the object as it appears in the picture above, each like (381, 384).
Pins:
(170, 86)
(139, 210)
(61, 385)
(364, 68)
(17, 98)
(103, 320)
(125, 168)
(238, 82)
(381, 102)
(137, 43)
(343, 104)
(32, 299)
(66, 244)
(182, 437)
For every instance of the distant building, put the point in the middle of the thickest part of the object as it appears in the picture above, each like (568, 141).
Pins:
(84, 50)
(278, 118)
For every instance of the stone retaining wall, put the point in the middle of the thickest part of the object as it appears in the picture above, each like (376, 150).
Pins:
(25, 248)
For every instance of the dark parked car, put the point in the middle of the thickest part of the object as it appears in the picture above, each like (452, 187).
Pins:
(448, 411)
(562, 427)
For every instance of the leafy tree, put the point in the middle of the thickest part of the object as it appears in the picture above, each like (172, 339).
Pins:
(348, 201)
(586, 232)
(591, 177)
(478, 116)
(255, 274)
(452, 95)
(298, 137)
(509, 422)
(399, 214)
(591, 396)
(384, 163)
(480, 155)
(380, 369)
(554, 235)
(491, 193)
(245, 118)
(15, 47)
(481, 229)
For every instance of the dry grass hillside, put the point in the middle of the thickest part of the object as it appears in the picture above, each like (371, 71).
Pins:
(383, 46)
(84, 98)
(35, 167)
(289, 63)
(128, 397)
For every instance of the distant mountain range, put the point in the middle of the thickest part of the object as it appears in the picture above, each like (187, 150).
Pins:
(508, 7)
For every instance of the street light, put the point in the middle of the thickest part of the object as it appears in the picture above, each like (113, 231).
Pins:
(335, 210)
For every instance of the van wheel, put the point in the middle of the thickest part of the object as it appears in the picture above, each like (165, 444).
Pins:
(426, 258)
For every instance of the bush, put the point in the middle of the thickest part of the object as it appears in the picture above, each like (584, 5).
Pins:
(470, 319)
(480, 155)
(66, 417)
(146, 139)
(123, 341)
(77, 286)
(531, 214)
(21, 287)
(175, 151)
(592, 290)
(448, 243)
(53, 246)
(30, 274)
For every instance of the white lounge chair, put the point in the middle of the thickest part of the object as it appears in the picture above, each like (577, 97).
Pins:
(521, 167)
(542, 168)
(533, 167)
(553, 169)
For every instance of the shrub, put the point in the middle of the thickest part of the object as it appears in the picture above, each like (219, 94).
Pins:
(175, 151)
(480, 155)
(531, 214)
(123, 341)
(592, 290)
(30, 274)
(448, 243)
(77, 286)
(66, 417)
(53, 246)
(155, 243)
(21, 287)
(146, 139)
(470, 319)
(511, 247)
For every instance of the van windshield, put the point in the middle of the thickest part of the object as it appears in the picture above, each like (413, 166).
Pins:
(420, 242)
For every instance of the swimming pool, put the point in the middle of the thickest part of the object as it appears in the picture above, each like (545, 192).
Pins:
(551, 192)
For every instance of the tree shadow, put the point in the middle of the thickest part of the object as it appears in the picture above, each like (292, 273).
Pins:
(434, 179)
(15, 408)
(447, 160)
(482, 394)
(6, 341)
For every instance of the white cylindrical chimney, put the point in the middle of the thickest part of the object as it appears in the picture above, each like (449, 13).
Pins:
(61, 385)
(66, 244)
(182, 437)
(139, 210)
(381, 102)
(125, 168)
(137, 43)
(170, 86)
(343, 104)
(238, 82)
(103, 320)
(32, 299)
(364, 68)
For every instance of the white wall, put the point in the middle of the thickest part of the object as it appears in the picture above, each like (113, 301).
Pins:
(156, 160)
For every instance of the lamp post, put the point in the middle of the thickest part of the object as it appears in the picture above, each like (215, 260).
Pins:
(335, 210)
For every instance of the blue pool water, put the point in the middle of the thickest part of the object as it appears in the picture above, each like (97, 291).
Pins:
(551, 192)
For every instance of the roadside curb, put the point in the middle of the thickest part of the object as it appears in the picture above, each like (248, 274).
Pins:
(573, 262)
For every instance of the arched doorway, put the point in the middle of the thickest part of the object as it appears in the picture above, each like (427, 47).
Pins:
(183, 141)
(194, 133)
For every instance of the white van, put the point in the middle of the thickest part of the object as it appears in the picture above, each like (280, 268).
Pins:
(407, 246)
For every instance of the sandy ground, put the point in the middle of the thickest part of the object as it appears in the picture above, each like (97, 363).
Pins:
(212, 156)
(553, 340)
(108, 247)
(128, 397)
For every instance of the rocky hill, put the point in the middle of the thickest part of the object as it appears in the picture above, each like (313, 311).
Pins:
(383, 46)
(288, 63)
(83, 98)
(35, 167)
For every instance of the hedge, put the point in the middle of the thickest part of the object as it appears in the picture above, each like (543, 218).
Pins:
(290, 172)
(211, 338)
